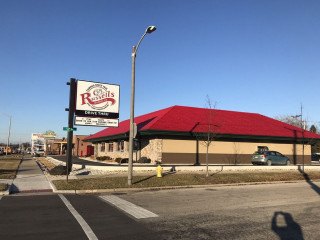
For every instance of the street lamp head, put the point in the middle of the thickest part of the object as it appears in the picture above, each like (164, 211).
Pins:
(151, 29)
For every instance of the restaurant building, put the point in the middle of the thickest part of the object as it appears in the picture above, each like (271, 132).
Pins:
(178, 135)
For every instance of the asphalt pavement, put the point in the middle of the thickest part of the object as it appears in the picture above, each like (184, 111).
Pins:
(49, 217)
(265, 211)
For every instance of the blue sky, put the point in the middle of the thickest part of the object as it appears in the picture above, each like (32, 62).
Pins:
(259, 56)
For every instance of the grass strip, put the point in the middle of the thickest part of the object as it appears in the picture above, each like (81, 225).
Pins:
(11, 157)
(181, 180)
(49, 165)
(9, 166)
(3, 187)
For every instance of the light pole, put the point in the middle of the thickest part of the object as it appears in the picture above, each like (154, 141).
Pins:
(8, 140)
(133, 128)
(303, 128)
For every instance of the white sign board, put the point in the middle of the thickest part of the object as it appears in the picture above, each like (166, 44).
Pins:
(97, 99)
(98, 122)
(37, 142)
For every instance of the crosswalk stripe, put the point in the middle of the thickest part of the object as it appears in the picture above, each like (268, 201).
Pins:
(86, 228)
(128, 207)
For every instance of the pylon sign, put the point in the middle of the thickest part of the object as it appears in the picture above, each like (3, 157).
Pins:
(95, 99)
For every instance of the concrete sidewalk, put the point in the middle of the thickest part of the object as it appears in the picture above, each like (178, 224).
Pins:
(30, 178)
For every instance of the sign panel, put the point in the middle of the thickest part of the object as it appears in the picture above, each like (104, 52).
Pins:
(49, 135)
(98, 122)
(69, 129)
(37, 142)
(97, 99)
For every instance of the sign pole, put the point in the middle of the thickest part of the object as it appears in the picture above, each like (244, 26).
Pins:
(72, 84)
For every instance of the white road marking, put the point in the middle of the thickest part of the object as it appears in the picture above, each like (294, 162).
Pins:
(1, 197)
(128, 207)
(86, 228)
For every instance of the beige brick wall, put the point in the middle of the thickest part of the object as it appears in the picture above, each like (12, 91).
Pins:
(151, 149)
(218, 147)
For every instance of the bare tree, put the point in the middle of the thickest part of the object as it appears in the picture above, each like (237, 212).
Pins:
(236, 155)
(294, 120)
(313, 129)
(208, 130)
(297, 121)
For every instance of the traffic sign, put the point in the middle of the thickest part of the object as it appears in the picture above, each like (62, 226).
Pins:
(69, 129)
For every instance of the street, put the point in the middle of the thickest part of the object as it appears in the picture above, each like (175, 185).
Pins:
(264, 211)
(271, 211)
(47, 217)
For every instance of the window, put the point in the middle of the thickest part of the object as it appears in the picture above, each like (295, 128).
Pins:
(103, 147)
(110, 148)
(262, 148)
(136, 145)
(120, 146)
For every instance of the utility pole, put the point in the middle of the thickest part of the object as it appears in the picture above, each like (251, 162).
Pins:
(302, 130)
(302, 127)
(71, 110)
(8, 140)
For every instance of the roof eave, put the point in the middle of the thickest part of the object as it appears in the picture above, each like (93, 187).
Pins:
(193, 134)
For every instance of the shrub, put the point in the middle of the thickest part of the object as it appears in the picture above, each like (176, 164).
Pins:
(125, 160)
(144, 160)
(122, 160)
(102, 158)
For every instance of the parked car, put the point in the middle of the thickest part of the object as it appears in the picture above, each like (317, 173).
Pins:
(269, 158)
(38, 152)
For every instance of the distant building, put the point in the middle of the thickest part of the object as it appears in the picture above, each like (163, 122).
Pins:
(56, 146)
(37, 142)
(174, 135)
(81, 148)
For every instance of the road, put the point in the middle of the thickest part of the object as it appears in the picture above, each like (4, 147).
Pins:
(264, 211)
(48, 217)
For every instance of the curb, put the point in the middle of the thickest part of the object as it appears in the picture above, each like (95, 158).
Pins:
(183, 168)
(46, 173)
(120, 190)
(221, 168)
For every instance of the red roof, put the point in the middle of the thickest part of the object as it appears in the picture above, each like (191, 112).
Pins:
(190, 119)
